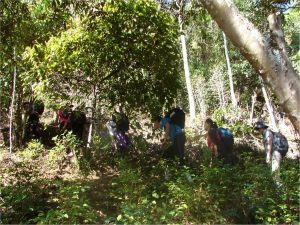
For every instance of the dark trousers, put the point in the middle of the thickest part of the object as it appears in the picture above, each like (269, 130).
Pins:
(177, 148)
(225, 150)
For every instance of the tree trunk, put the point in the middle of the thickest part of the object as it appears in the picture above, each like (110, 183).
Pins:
(200, 99)
(221, 85)
(218, 83)
(267, 54)
(12, 106)
(233, 98)
(269, 106)
(18, 117)
(185, 62)
(253, 98)
(187, 79)
(94, 106)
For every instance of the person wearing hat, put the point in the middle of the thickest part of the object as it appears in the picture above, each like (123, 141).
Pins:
(273, 156)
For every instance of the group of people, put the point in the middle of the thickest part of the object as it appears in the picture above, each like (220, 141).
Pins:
(219, 140)
(67, 119)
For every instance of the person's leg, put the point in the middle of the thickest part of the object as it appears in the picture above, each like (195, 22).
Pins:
(276, 160)
(179, 144)
(169, 152)
(229, 151)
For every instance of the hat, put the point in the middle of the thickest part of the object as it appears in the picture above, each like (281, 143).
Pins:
(260, 125)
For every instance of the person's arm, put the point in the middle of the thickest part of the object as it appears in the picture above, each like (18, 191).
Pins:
(65, 125)
(56, 122)
(269, 144)
(211, 144)
(166, 135)
(214, 149)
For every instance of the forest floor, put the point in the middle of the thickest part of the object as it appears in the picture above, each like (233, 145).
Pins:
(115, 188)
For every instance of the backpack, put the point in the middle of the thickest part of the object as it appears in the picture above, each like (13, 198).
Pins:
(64, 114)
(220, 135)
(225, 133)
(177, 116)
(122, 122)
(223, 138)
(280, 143)
(39, 107)
(77, 117)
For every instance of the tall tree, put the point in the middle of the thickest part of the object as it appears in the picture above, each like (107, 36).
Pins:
(267, 54)
(180, 5)
(116, 50)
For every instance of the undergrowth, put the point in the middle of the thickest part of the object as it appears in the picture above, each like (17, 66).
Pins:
(46, 186)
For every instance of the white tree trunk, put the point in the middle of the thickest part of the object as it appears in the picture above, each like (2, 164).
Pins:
(266, 54)
(180, 5)
(217, 83)
(233, 98)
(200, 99)
(89, 141)
(269, 106)
(221, 85)
(93, 113)
(188, 79)
(12, 106)
(253, 98)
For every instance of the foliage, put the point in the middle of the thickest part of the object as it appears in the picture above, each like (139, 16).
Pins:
(32, 151)
(73, 206)
(31, 193)
(24, 23)
(151, 190)
(291, 28)
(227, 118)
(126, 52)
(65, 144)
(167, 193)
(132, 36)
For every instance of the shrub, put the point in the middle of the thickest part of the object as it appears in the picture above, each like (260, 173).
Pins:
(32, 151)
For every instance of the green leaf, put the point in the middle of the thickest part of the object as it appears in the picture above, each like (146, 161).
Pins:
(155, 195)
(119, 217)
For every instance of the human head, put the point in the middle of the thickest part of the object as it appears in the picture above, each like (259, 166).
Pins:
(156, 122)
(26, 106)
(71, 107)
(209, 124)
(260, 126)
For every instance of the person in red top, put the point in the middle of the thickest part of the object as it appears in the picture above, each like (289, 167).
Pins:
(219, 141)
(210, 126)
(62, 119)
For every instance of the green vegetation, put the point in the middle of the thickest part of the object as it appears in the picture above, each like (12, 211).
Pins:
(150, 190)
(125, 55)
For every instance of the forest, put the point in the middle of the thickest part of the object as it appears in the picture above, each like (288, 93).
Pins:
(149, 111)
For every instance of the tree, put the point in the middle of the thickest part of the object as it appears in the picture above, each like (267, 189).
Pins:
(266, 54)
(180, 4)
(23, 24)
(128, 51)
(233, 98)
(176, 8)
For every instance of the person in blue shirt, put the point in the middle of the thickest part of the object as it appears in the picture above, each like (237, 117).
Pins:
(173, 140)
